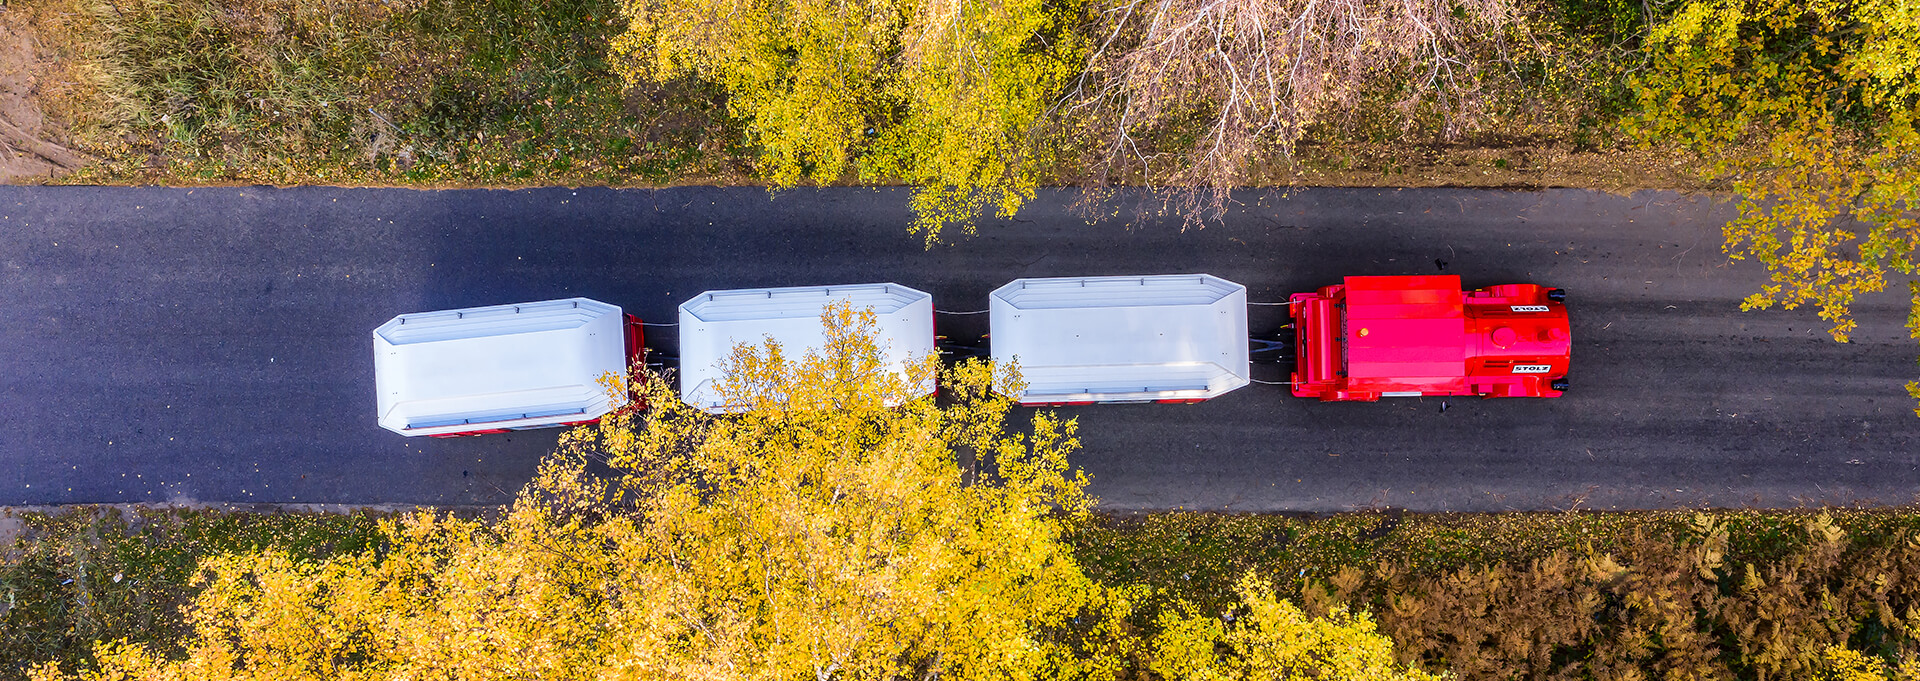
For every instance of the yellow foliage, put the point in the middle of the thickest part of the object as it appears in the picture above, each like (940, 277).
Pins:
(1843, 664)
(828, 530)
(1810, 110)
(823, 531)
(942, 94)
(799, 73)
(1270, 638)
(1850, 665)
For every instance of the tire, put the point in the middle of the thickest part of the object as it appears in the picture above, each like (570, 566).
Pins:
(1559, 384)
(1556, 294)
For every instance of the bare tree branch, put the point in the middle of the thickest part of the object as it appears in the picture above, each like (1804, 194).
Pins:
(1245, 79)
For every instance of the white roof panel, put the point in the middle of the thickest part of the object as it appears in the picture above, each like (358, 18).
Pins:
(502, 366)
(1122, 339)
(713, 323)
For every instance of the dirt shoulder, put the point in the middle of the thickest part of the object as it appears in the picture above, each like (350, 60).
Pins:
(29, 146)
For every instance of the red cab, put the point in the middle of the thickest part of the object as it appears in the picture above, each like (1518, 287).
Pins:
(1412, 336)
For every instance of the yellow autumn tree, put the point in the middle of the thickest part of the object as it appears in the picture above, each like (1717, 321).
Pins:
(1839, 663)
(1809, 109)
(945, 95)
(842, 525)
(1267, 638)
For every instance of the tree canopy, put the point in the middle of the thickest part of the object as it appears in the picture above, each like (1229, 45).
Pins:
(1269, 638)
(820, 533)
(941, 94)
(837, 527)
(1240, 82)
(1809, 108)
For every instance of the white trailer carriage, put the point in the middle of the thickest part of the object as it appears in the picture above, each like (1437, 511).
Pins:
(1168, 338)
(498, 368)
(713, 323)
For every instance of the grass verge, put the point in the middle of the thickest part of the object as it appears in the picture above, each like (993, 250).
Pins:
(519, 93)
(86, 574)
(1532, 595)
(433, 92)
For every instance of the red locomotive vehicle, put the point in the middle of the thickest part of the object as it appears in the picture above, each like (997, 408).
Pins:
(1411, 336)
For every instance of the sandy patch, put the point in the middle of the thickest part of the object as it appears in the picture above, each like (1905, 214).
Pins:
(26, 153)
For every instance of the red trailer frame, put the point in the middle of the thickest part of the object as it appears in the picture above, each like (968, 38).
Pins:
(1411, 336)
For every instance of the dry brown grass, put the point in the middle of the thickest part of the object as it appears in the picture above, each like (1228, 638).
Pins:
(1517, 166)
(1731, 594)
(477, 94)
(362, 92)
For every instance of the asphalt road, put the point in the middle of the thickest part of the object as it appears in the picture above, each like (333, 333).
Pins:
(212, 345)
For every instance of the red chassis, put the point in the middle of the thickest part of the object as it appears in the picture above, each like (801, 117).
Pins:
(1374, 337)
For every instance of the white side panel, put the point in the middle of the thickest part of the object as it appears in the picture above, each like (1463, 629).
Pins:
(713, 323)
(503, 366)
(1123, 339)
